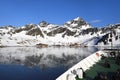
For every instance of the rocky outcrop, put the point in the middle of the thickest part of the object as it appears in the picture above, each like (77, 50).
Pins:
(35, 32)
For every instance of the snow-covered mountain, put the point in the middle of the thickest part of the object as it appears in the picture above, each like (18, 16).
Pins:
(76, 32)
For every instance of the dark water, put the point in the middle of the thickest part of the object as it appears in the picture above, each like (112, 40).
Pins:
(31, 63)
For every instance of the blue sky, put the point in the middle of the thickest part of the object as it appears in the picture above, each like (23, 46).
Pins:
(96, 12)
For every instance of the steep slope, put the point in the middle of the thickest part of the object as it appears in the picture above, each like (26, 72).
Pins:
(76, 32)
(104, 36)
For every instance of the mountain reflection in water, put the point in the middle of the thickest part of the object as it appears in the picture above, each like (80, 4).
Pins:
(31, 63)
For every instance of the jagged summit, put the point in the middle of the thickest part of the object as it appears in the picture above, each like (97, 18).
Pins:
(78, 18)
(78, 22)
(43, 24)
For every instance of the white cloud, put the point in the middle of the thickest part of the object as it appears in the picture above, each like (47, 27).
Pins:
(95, 21)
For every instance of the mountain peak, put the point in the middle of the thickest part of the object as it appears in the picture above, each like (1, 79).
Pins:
(78, 18)
(77, 22)
(43, 23)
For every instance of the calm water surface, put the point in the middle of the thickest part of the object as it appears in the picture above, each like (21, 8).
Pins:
(31, 63)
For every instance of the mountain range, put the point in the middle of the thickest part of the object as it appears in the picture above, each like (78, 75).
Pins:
(76, 32)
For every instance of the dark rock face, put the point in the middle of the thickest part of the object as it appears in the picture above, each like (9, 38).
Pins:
(31, 29)
(68, 33)
(35, 32)
(104, 39)
(61, 30)
(56, 31)
(26, 28)
(89, 30)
